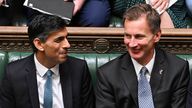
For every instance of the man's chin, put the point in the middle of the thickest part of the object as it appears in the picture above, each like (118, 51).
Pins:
(63, 59)
(135, 56)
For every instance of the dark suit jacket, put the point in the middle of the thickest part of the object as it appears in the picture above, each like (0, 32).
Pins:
(18, 88)
(4, 16)
(117, 82)
(189, 96)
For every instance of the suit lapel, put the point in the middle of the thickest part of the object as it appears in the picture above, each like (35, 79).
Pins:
(129, 75)
(66, 84)
(158, 70)
(32, 82)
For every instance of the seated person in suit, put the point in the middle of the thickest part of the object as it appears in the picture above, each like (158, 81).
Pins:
(145, 76)
(92, 13)
(48, 77)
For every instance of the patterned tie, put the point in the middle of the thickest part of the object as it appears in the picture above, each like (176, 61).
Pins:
(48, 98)
(144, 91)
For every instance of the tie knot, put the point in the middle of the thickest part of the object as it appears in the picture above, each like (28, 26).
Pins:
(143, 70)
(49, 73)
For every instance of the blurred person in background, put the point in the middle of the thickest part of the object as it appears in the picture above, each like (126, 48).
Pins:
(175, 16)
(90, 13)
(5, 18)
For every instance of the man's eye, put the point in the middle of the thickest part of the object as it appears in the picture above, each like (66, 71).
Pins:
(139, 36)
(128, 36)
(59, 39)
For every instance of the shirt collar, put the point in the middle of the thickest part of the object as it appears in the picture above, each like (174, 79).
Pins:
(149, 65)
(41, 70)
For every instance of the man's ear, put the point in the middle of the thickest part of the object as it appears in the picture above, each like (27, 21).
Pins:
(157, 36)
(38, 44)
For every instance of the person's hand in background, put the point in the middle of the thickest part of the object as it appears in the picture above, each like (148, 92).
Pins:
(78, 5)
(160, 5)
(1, 1)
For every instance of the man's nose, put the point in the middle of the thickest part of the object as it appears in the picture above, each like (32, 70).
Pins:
(66, 44)
(132, 43)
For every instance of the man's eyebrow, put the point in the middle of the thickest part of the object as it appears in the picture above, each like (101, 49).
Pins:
(126, 33)
(139, 35)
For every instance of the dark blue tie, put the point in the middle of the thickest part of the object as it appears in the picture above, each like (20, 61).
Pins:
(48, 98)
(144, 91)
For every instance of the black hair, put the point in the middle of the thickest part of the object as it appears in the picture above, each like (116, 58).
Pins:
(42, 25)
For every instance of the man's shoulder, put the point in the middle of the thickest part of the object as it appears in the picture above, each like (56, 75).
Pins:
(19, 66)
(115, 63)
(72, 61)
(75, 60)
(20, 61)
(171, 59)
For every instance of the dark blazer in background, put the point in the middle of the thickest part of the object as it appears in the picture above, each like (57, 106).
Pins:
(18, 88)
(5, 15)
(5, 18)
(117, 82)
(20, 15)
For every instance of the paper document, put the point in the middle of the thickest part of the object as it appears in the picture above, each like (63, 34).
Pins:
(4, 3)
(54, 7)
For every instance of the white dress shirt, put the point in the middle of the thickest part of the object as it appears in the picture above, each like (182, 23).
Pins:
(149, 67)
(56, 85)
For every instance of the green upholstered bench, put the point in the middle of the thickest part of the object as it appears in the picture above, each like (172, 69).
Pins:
(3, 62)
(93, 60)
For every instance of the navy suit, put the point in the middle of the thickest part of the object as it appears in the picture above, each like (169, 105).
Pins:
(19, 89)
(94, 13)
(117, 82)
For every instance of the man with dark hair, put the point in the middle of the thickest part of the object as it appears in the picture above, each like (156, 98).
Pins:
(48, 78)
(146, 76)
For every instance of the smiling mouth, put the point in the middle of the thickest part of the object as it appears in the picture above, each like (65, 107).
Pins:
(135, 50)
(63, 52)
